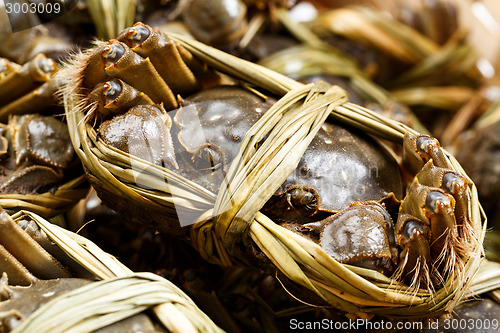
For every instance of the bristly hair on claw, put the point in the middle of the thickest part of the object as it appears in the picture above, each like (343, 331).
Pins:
(72, 71)
(421, 276)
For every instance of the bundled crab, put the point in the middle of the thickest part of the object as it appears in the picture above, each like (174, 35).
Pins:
(295, 184)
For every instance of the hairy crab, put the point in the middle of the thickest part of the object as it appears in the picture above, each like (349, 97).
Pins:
(346, 188)
(38, 169)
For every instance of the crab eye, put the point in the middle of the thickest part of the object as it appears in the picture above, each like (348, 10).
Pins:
(112, 89)
(114, 52)
(139, 34)
(410, 227)
(431, 202)
(450, 179)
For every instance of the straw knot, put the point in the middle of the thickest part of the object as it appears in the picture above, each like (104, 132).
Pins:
(268, 154)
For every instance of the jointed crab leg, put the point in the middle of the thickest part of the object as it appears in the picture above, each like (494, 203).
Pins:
(413, 236)
(164, 56)
(434, 224)
(453, 183)
(23, 248)
(435, 208)
(420, 149)
(35, 101)
(115, 97)
(127, 65)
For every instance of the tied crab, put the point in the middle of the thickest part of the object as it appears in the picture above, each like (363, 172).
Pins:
(346, 193)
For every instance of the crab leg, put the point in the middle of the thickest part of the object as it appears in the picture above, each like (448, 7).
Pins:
(453, 183)
(30, 179)
(163, 54)
(417, 150)
(7, 67)
(17, 273)
(205, 75)
(435, 208)
(35, 101)
(127, 65)
(415, 259)
(116, 59)
(27, 251)
(115, 97)
(27, 78)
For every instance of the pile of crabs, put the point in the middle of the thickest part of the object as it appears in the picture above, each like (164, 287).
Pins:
(401, 211)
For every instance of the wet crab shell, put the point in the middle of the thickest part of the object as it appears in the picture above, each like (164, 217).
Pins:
(217, 22)
(210, 127)
(340, 166)
(199, 143)
(206, 133)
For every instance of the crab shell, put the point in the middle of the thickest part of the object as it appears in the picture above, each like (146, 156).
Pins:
(188, 145)
(215, 22)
